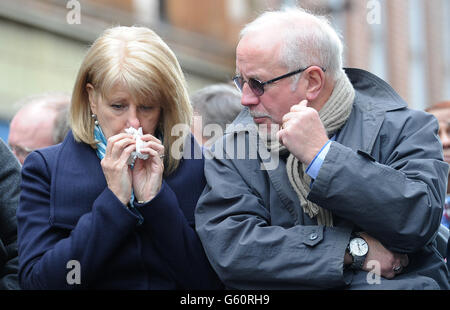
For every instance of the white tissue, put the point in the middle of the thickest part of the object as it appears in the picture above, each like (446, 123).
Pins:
(137, 134)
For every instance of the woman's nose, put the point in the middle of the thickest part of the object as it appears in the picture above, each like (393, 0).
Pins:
(133, 119)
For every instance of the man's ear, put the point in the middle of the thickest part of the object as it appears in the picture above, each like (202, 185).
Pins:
(316, 81)
(92, 95)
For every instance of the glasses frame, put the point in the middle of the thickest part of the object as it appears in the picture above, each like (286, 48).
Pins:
(261, 85)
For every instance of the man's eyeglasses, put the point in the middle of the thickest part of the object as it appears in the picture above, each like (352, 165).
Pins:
(257, 87)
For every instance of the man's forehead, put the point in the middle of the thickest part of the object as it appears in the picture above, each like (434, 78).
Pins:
(253, 53)
(260, 42)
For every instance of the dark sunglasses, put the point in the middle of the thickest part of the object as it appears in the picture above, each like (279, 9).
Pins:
(257, 87)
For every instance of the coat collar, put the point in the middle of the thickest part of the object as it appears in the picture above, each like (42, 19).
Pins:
(374, 93)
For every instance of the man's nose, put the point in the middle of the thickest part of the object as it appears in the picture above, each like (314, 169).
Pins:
(248, 97)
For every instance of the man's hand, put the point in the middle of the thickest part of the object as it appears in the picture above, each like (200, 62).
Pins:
(388, 260)
(302, 132)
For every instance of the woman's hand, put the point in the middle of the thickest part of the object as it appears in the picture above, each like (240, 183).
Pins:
(147, 174)
(115, 167)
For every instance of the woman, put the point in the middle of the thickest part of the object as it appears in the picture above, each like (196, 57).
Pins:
(87, 217)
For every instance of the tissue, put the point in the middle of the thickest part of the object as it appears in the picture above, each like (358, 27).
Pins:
(137, 134)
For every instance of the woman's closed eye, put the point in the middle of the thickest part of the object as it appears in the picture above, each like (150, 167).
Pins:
(146, 108)
(118, 106)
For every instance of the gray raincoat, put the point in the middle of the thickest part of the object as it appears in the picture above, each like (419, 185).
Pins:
(385, 175)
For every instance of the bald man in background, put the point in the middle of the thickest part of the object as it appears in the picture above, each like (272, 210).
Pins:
(40, 122)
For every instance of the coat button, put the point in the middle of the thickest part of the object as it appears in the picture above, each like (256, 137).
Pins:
(313, 236)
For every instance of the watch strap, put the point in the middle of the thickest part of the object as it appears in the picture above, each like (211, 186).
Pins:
(358, 262)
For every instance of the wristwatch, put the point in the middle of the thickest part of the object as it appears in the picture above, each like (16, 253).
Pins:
(358, 249)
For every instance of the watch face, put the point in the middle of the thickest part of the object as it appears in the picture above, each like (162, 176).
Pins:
(358, 247)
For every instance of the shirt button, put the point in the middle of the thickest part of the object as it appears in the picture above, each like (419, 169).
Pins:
(313, 236)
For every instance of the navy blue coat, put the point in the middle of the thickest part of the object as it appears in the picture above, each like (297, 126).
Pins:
(69, 221)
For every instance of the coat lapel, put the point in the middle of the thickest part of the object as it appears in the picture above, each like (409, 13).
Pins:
(77, 180)
(280, 182)
(276, 170)
(373, 98)
(361, 129)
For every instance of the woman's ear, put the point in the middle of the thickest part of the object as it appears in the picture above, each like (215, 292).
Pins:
(316, 82)
(92, 97)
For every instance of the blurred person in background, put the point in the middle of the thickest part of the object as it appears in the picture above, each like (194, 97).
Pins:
(215, 107)
(41, 121)
(126, 224)
(441, 111)
(9, 199)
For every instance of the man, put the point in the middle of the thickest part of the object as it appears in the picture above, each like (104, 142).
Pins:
(9, 198)
(356, 197)
(40, 122)
(215, 107)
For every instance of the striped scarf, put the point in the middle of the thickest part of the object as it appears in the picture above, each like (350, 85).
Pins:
(101, 142)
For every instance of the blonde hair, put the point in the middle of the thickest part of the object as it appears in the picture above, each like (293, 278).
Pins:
(138, 58)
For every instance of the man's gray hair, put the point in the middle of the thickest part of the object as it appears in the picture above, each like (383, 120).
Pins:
(62, 124)
(307, 39)
(217, 104)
